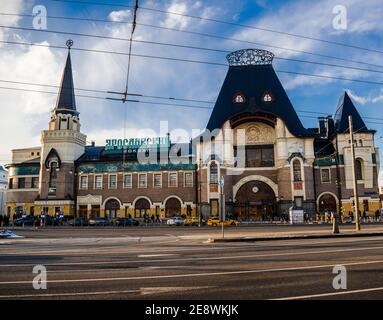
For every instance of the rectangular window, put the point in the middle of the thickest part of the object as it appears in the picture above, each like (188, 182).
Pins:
(259, 156)
(157, 180)
(84, 182)
(98, 182)
(298, 202)
(127, 181)
(214, 207)
(325, 175)
(142, 180)
(35, 183)
(173, 179)
(10, 184)
(21, 183)
(113, 181)
(188, 179)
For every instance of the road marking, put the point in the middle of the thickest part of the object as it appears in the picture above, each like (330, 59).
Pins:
(157, 255)
(206, 274)
(89, 251)
(197, 258)
(142, 291)
(330, 294)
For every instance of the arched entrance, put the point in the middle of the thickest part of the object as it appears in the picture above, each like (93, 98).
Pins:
(141, 208)
(172, 207)
(112, 207)
(327, 202)
(255, 201)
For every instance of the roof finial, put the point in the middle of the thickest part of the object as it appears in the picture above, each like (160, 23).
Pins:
(69, 43)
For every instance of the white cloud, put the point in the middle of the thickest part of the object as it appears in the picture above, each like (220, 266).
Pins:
(121, 15)
(366, 99)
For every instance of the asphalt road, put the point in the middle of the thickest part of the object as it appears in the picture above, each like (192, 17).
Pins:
(177, 264)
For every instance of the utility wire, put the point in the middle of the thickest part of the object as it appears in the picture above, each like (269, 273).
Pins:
(201, 62)
(170, 45)
(148, 96)
(206, 35)
(158, 103)
(227, 23)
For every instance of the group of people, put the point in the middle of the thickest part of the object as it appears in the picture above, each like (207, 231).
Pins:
(151, 219)
(330, 215)
(4, 220)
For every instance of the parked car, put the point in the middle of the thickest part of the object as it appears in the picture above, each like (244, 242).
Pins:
(78, 222)
(194, 221)
(215, 221)
(99, 222)
(126, 222)
(175, 221)
(25, 221)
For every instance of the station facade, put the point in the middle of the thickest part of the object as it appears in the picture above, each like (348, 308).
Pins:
(255, 156)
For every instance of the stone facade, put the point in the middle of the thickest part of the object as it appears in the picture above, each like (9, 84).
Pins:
(254, 141)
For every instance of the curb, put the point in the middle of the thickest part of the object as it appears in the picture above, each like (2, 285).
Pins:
(297, 237)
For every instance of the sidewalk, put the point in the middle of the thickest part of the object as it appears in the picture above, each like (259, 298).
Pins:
(349, 232)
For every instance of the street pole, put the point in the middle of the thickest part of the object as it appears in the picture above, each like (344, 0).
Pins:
(354, 182)
(222, 205)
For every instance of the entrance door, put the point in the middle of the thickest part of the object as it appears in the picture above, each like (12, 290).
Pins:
(255, 201)
(141, 208)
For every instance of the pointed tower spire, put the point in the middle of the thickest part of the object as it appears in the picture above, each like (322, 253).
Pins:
(66, 102)
(347, 108)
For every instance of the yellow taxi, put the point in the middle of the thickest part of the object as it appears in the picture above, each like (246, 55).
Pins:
(216, 221)
(193, 221)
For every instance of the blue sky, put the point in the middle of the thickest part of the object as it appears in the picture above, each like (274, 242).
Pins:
(26, 114)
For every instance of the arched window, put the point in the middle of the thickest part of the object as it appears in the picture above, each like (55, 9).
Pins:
(358, 169)
(267, 97)
(239, 98)
(53, 177)
(213, 173)
(297, 174)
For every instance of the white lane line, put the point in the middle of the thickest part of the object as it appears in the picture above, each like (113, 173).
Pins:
(193, 275)
(197, 258)
(329, 294)
(142, 291)
(199, 249)
(157, 255)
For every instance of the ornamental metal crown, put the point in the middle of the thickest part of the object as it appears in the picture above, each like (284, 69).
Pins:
(246, 57)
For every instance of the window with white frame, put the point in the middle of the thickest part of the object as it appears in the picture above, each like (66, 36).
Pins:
(157, 180)
(112, 181)
(188, 179)
(127, 181)
(83, 182)
(325, 176)
(98, 182)
(297, 174)
(142, 180)
(173, 179)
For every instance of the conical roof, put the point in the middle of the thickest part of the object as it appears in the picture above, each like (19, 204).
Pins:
(347, 108)
(66, 102)
(252, 75)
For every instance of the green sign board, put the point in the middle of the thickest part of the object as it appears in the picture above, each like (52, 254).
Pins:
(136, 143)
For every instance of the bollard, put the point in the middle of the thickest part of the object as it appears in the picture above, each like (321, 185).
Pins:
(335, 225)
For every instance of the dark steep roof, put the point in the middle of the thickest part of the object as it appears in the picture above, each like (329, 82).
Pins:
(66, 102)
(253, 81)
(346, 108)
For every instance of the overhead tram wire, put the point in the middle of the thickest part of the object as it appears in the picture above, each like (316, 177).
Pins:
(171, 104)
(144, 96)
(235, 24)
(152, 96)
(206, 62)
(208, 35)
(183, 46)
